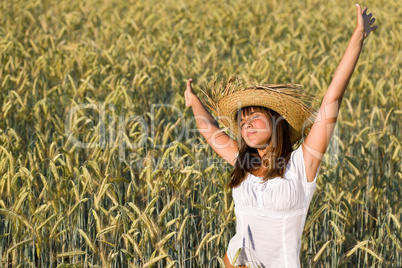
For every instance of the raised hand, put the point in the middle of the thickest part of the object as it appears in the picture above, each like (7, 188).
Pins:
(364, 21)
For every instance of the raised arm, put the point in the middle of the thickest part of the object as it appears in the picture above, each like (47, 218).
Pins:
(318, 139)
(220, 142)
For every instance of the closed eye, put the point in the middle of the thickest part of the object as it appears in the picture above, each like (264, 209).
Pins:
(241, 126)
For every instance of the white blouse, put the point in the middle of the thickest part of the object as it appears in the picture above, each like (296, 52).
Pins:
(270, 217)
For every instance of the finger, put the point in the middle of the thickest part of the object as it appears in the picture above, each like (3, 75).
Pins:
(374, 28)
(359, 14)
(189, 83)
(372, 20)
(369, 15)
(364, 11)
(359, 10)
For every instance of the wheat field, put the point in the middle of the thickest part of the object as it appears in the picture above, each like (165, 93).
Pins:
(101, 164)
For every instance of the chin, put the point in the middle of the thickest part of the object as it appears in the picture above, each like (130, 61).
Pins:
(257, 146)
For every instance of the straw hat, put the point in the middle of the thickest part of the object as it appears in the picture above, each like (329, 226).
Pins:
(286, 99)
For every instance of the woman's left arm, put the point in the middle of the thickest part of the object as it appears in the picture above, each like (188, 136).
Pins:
(318, 139)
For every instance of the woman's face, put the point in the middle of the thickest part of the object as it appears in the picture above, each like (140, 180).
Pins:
(256, 129)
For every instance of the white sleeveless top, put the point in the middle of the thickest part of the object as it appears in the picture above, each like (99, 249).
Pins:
(270, 217)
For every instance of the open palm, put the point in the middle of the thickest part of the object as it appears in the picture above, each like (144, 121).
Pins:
(365, 21)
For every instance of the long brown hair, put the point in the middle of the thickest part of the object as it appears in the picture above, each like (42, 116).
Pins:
(276, 156)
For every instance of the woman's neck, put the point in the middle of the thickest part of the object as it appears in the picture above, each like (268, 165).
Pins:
(262, 151)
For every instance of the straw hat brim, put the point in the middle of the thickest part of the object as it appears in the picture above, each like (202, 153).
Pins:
(286, 99)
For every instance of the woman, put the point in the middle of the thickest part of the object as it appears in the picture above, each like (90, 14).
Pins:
(272, 185)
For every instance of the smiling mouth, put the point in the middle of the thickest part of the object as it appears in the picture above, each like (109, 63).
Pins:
(251, 133)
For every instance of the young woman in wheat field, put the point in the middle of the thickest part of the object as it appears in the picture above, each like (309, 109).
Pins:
(272, 184)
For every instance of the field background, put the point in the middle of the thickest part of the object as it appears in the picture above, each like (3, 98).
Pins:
(159, 206)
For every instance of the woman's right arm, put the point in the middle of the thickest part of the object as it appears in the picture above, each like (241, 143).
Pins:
(220, 142)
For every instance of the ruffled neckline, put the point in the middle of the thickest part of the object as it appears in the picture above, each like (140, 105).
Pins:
(259, 181)
(254, 178)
